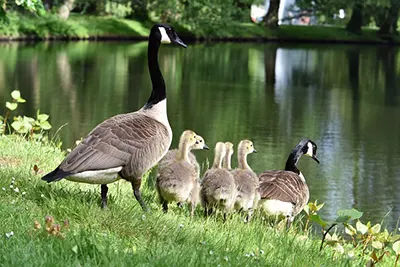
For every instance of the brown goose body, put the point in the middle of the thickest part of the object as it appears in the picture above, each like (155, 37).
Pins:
(285, 192)
(133, 142)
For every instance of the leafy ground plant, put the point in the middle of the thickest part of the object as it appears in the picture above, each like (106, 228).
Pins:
(24, 125)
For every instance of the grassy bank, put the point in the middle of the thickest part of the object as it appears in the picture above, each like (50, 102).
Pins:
(22, 27)
(123, 235)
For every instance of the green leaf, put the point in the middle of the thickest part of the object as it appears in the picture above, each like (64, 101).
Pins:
(376, 228)
(377, 245)
(11, 106)
(316, 218)
(45, 125)
(19, 2)
(350, 230)
(75, 249)
(15, 94)
(42, 117)
(362, 228)
(352, 213)
(17, 125)
(396, 247)
(343, 219)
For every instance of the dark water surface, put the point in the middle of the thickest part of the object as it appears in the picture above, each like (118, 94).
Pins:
(345, 98)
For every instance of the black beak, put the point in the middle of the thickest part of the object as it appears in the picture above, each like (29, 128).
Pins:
(255, 151)
(178, 41)
(314, 157)
(206, 147)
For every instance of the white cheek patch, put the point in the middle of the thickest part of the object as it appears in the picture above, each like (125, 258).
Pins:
(310, 149)
(164, 36)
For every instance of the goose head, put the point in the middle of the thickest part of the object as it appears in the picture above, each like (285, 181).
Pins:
(165, 34)
(309, 148)
(193, 140)
(246, 147)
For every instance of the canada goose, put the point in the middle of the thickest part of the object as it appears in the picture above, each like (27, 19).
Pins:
(218, 187)
(246, 180)
(177, 179)
(286, 192)
(227, 159)
(126, 145)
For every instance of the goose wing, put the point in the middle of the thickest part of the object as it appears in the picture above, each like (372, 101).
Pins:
(285, 186)
(113, 142)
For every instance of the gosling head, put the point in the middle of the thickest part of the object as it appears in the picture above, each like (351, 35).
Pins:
(309, 148)
(193, 140)
(246, 147)
(165, 34)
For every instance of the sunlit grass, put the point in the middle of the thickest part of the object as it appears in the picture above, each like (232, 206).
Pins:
(123, 235)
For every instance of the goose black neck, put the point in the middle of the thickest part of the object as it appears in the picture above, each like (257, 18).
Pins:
(291, 163)
(157, 79)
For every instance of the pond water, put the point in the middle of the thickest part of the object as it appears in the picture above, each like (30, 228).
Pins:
(345, 98)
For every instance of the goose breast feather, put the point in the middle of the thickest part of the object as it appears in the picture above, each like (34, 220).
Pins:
(133, 140)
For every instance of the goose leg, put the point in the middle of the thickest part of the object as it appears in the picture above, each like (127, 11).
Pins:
(104, 191)
(138, 195)
(164, 206)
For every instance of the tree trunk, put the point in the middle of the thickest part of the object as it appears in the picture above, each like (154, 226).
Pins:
(271, 18)
(65, 9)
(388, 23)
(356, 20)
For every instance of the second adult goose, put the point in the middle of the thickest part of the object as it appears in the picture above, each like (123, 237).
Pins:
(246, 180)
(286, 192)
(177, 179)
(126, 145)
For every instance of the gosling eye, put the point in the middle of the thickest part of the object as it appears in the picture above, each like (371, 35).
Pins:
(251, 145)
(201, 141)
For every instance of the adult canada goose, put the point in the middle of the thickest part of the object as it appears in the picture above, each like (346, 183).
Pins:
(126, 145)
(228, 156)
(177, 180)
(286, 192)
(218, 187)
(246, 180)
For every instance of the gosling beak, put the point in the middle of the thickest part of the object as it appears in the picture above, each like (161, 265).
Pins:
(206, 147)
(178, 41)
(255, 151)
(314, 157)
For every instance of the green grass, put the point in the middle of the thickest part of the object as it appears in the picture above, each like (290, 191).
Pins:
(122, 235)
(84, 27)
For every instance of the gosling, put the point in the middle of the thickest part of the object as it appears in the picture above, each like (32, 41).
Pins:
(177, 179)
(218, 187)
(246, 181)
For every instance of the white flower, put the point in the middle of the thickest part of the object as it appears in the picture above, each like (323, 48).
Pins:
(41, 195)
(16, 190)
(4, 189)
(247, 255)
(262, 251)
(10, 234)
(11, 186)
(226, 258)
(23, 193)
(180, 225)
(143, 217)
(211, 252)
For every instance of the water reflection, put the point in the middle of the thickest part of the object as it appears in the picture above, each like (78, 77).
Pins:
(345, 98)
